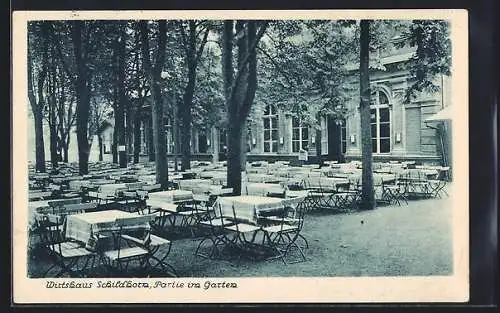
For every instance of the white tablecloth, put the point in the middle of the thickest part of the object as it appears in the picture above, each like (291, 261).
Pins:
(189, 184)
(80, 226)
(247, 208)
(206, 188)
(324, 182)
(171, 196)
(262, 189)
(212, 174)
(261, 178)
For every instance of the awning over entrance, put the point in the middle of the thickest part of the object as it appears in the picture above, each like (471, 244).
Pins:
(444, 114)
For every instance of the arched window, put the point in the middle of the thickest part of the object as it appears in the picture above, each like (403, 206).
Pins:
(380, 122)
(300, 135)
(270, 119)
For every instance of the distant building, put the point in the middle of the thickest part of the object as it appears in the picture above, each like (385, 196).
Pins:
(399, 130)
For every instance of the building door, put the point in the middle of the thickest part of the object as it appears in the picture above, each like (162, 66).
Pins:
(334, 140)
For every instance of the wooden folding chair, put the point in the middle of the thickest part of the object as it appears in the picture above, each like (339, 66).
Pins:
(156, 245)
(127, 250)
(214, 226)
(283, 236)
(240, 230)
(64, 254)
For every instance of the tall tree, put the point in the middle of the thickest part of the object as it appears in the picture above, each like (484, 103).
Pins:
(137, 89)
(367, 192)
(82, 88)
(38, 69)
(153, 73)
(52, 116)
(122, 98)
(239, 87)
(194, 35)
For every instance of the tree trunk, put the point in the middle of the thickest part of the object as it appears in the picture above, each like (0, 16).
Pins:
(122, 98)
(82, 89)
(137, 136)
(65, 154)
(239, 90)
(149, 138)
(215, 145)
(234, 156)
(234, 137)
(367, 192)
(114, 146)
(51, 99)
(129, 129)
(39, 144)
(176, 138)
(101, 157)
(186, 123)
(37, 106)
(244, 147)
(53, 144)
(154, 76)
(159, 136)
(317, 143)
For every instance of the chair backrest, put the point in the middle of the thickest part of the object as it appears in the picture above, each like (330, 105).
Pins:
(49, 228)
(219, 213)
(300, 211)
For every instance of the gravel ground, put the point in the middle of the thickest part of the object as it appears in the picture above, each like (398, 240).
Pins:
(413, 239)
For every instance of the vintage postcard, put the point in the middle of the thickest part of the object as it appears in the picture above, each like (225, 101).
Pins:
(240, 156)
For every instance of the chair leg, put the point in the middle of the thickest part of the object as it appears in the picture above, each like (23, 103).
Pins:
(200, 244)
(305, 240)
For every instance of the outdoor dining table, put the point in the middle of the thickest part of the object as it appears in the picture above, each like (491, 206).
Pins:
(248, 208)
(325, 182)
(262, 178)
(212, 174)
(262, 189)
(80, 226)
(206, 189)
(168, 206)
(171, 196)
(189, 184)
